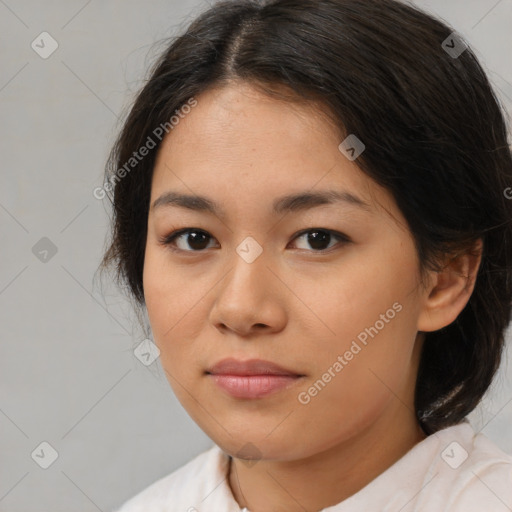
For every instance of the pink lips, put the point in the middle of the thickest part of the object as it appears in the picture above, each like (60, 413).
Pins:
(254, 378)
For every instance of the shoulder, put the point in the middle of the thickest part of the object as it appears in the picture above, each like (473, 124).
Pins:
(181, 488)
(470, 473)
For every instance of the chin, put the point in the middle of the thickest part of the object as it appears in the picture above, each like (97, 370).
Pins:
(253, 448)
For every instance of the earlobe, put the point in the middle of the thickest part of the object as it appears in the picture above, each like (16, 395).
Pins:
(450, 289)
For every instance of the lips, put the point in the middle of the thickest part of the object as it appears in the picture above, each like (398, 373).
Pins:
(251, 379)
(232, 366)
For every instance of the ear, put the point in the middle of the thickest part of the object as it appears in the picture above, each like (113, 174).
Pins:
(449, 289)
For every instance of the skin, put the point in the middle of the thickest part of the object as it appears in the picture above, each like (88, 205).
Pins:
(294, 305)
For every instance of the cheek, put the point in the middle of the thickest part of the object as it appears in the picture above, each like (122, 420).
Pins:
(371, 313)
(368, 291)
(178, 313)
(167, 312)
(167, 297)
(156, 283)
(356, 382)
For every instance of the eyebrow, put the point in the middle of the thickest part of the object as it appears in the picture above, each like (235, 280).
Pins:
(290, 203)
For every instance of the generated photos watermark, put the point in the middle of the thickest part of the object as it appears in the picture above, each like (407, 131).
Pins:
(304, 397)
(158, 133)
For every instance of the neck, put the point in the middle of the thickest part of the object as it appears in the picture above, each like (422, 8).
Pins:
(329, 477)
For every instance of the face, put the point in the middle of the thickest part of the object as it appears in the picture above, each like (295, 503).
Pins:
(328, 291)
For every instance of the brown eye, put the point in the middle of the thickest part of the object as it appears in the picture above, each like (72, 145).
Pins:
(319, 239)
(196, 239)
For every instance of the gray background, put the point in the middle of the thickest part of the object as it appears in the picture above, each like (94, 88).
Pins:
(68, 371)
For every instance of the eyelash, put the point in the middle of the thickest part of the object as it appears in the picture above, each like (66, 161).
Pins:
(169, 239)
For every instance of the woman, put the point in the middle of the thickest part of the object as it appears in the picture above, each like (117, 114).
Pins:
(310, 201)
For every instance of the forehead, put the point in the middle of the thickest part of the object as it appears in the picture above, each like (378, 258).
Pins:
(240, 144)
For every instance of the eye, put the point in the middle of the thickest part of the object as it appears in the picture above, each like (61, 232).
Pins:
(318, 238)
(194, 237)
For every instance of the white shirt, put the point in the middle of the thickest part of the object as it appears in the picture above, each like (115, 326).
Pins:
(452, 470)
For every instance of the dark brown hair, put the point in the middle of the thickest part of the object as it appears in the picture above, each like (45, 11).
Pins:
(434, 132)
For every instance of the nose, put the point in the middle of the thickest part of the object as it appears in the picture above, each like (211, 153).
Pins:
(250, 298)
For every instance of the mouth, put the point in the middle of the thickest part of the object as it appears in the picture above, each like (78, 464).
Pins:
(252, 379)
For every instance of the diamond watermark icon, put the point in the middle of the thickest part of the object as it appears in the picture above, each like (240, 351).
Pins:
(454, 455)
(146, 352)
(44, 45)
(44, 455)
(44, 250)
(351, 147)
(454, 45)
(249, 454)
(249, 249)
